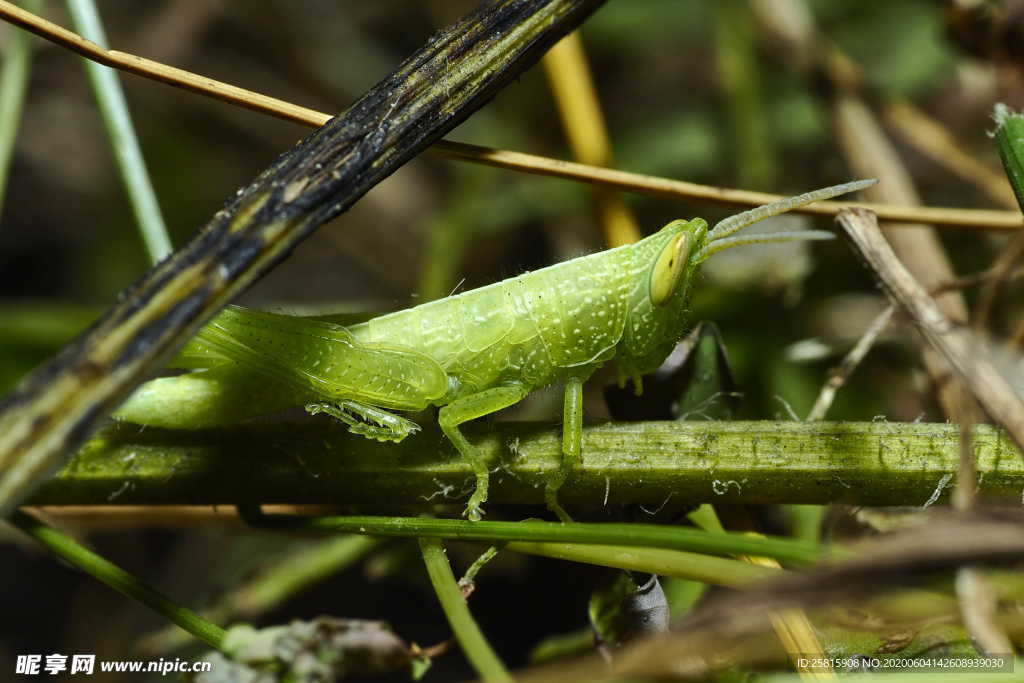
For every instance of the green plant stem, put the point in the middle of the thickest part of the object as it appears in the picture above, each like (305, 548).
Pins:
(66, 548)
(718, 571)
(804, 521)
(119, 126)
(479, 563)
(319, 462)
(13, 85)
(648, 535)
(706, 518)
(475, 646)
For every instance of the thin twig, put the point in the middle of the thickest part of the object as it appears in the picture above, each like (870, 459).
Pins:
(976, 599)
(965, 491)
(972, 280)
(869, 151)
(978, 607)
(1000, 272)
(839, 375)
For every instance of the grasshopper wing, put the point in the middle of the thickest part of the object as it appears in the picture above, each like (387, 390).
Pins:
(325, 359)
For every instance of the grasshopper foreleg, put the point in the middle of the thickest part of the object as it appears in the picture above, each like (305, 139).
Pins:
(368, 421)
(470, 408)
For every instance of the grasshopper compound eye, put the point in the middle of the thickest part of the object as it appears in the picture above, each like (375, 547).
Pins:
(669, 269)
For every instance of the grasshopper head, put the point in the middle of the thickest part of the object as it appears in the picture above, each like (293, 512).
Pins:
(665, 265)
(669, 260)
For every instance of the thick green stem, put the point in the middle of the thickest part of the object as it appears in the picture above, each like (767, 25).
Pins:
(474, 645)
(66, 548)
(718, 462)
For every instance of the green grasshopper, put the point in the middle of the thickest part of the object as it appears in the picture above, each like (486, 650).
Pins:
(472, 354)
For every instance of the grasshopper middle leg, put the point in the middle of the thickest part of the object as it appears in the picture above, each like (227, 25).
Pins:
(469, 408)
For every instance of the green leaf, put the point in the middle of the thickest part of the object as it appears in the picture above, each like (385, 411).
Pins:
(1010, 139)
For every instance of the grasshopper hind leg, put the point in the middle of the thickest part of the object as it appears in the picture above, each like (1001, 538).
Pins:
(365, 420)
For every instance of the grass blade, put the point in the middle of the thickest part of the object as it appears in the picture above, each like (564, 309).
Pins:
(118, 122)
(13, 85)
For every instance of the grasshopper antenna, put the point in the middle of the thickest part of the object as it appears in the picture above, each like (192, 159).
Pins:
(729, 225)
(719, 240)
